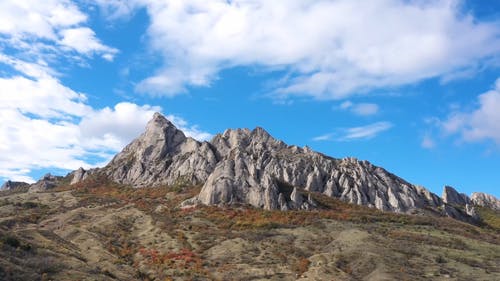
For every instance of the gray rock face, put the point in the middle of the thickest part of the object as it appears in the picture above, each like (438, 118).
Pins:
(251, 167)
(46, 182)
(11, 185)
(459, 214)
(78, 175)
(162, 155)
(451, 196)
(485, 200)
(254, 168)
(470, 210)
(465, 207)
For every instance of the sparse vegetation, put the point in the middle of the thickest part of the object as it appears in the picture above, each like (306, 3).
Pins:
(111, 232)
(490, 217)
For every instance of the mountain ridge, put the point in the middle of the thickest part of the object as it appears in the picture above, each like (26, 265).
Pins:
(252, 167)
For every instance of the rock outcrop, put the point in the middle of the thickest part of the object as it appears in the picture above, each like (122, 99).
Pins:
(12, 185)
(462, 207)
(48, 181)
(162, 155)
(251, 167)
(255, 168)
(485, 200)
(451, 196)
(78, 175)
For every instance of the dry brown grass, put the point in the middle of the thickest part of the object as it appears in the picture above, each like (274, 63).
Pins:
(242, 242)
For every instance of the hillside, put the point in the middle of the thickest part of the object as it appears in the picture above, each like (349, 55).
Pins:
(97, 230)
(244, 206)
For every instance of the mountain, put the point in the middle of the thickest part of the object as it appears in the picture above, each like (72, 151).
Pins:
(252, 167)
(169, 207)
(242, 166)
(162, 155)
(12, 185)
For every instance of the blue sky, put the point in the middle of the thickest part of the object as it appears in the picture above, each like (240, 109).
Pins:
(412, 86)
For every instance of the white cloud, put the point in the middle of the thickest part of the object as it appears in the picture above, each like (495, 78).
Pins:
(346, 105)
(113, 128)
(362, 109)
(45, 97)
(17, 175)
(39, 19)
(356, 133)
(30, 143)
(366, 132)
(115, 9)
(324, 137)
(365, 109)
(45, 124)
(40, 69)
(189, 130)
(482, 123)
(428, 142)
(48, 125)
(329, 49)
(33, 142)
(47, 29)
(83, 40)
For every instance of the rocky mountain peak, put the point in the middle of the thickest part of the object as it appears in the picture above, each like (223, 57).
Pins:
(245, 141)
(161, 137)
(48, 181)
(451, 196)
(252, 167)
(485, 200)
(160, 131)
(245, 135)
(158, 121)
(161, 155)
(10, 185)
(261, 133)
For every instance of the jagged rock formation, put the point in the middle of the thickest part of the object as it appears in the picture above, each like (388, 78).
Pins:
(243, 166)
(451, 196)
(254, 167)
(11, 185)
(251, 167)
(465, 204)
(48, 181)
(78, 175)
(485, 200)
(162, 155)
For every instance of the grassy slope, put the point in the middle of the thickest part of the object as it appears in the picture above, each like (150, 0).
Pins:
(107, 232)
(490, 217)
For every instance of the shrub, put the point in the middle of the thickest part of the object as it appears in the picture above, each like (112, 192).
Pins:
(301, 266)
(440, 259)
(11, 241)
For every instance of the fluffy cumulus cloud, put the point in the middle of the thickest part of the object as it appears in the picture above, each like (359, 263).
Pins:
(45, 97)
(83, 40)
(113, 128)
(480, 124)
(48, 125)
(41, 29)
(328, 49)
(30, 141)
(356, 133)
(190, 130)
(44, 123)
